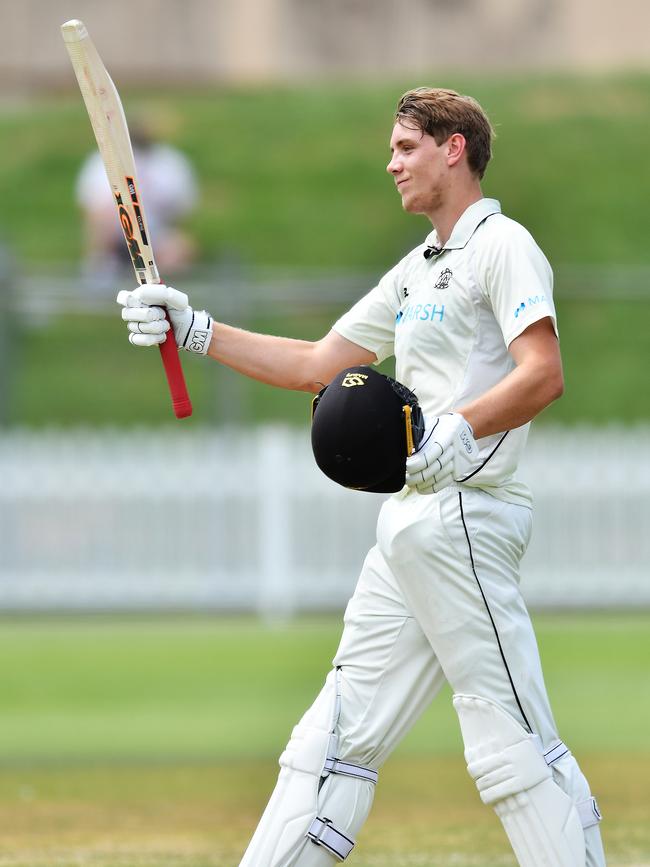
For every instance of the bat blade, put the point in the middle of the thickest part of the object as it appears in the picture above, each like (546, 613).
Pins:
(112, 134)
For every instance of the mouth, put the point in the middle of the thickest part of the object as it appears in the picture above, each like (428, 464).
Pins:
(400, 183)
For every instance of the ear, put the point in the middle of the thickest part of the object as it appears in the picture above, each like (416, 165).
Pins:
(456, 145)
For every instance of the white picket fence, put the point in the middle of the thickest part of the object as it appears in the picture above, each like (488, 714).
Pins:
(243, 520)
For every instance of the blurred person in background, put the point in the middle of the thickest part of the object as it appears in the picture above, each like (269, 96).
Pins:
(169, 190)
(470, 320)
(9, 329)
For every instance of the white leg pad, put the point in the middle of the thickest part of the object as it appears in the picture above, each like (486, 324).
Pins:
(316, 808)
(511, 774)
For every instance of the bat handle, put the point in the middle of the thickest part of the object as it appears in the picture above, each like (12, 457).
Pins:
(175, 378)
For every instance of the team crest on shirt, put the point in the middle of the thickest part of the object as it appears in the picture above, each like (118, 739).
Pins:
(444, 279)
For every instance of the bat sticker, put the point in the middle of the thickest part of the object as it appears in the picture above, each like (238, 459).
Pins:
(127, 228)
(132, 191)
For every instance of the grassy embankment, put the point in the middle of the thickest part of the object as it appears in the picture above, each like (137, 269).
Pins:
(294, 178)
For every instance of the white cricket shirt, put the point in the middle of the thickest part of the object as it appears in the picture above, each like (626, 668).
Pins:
(448, 319)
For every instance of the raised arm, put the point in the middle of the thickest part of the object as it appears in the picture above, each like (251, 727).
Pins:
(301, 365)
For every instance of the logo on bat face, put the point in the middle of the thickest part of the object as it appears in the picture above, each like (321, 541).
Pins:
(351, 379)
(127, 228)
(130, 182)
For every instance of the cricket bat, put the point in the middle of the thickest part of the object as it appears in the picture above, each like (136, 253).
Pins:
(111, 131)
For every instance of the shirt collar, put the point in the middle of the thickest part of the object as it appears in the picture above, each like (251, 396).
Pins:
(467, 224)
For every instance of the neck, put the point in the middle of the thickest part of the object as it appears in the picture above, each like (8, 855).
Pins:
(445, 217)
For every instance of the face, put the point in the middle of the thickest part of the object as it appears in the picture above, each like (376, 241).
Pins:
(420, 169)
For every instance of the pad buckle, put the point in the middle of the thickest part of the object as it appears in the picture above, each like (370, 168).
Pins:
(323, 832)
(323, 825)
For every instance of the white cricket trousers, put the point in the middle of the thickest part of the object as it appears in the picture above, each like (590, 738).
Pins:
(438, 600)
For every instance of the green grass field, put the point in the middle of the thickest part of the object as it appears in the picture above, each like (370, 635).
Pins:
(151, 742)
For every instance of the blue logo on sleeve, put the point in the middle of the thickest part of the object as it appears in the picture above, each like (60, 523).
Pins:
(531, 302)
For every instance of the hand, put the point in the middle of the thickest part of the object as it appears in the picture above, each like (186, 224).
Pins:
(446, 454)
(145, 309)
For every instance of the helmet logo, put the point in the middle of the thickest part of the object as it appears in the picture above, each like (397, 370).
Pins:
(351, 379)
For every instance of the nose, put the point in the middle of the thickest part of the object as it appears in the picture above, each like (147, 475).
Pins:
(394, 166)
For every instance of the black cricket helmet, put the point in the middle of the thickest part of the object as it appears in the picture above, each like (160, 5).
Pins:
(364, 426)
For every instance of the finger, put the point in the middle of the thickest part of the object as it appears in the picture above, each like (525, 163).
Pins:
(130, 299)
(142, 314)
(439, 467)
(442, 482)
(424, 458)
(422, 477)
(434, 485)
(159, 327)
(152, 293)
(147, 339)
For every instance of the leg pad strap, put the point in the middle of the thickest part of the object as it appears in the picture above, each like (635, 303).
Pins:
(313, 750)
(321, 799)
(336, 766)
(324, 833)
(587, 809)
(589, 813)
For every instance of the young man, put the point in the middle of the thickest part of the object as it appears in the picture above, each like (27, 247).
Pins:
(469, 317)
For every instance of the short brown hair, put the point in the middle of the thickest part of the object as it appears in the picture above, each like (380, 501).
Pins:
(441, 113)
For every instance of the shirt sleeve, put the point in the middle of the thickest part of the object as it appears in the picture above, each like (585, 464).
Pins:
(371, 322)
(515, 279)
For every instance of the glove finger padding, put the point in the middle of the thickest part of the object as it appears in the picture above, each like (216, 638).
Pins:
(123, 297)
(447, 448)
(154, 293)
(439, 483)
(430, 454)
(436, 468)
(147, 339)
(143, 314)
(160, 326)
(424, 458)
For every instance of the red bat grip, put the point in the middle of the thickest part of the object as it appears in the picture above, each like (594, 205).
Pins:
(171, 362)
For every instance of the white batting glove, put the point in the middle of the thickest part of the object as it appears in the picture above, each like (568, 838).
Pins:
(446, 454)
(144, 311)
